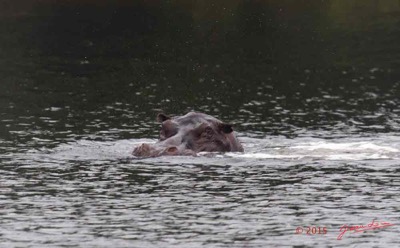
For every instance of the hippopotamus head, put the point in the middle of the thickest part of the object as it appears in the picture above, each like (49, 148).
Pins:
(190, 134)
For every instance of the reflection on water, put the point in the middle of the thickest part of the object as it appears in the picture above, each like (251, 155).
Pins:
(312, 91)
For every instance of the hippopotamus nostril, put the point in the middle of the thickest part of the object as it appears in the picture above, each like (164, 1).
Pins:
(171, 151)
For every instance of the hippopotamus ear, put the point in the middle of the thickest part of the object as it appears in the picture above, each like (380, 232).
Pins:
(161, 117)
(226, 128)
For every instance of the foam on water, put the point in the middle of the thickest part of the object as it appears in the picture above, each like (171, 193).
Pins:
(326, 150)
(351, 147)
(268, 148)
(340, 156)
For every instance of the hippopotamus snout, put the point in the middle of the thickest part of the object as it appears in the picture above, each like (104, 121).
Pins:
(190, 134)
(168, 147)
(152, 150)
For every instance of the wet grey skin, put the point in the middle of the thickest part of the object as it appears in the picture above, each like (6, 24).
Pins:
(190, 134)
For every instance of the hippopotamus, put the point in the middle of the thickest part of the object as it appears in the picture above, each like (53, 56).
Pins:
(190, 134)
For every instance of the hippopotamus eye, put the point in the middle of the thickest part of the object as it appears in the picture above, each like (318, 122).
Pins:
(162, 135)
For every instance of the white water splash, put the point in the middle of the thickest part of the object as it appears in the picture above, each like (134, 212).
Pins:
(298, 149)
(277, 148)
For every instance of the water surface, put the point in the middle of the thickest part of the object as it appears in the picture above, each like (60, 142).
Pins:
(311, 91)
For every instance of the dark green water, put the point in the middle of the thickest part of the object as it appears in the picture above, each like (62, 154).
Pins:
(311, 87)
